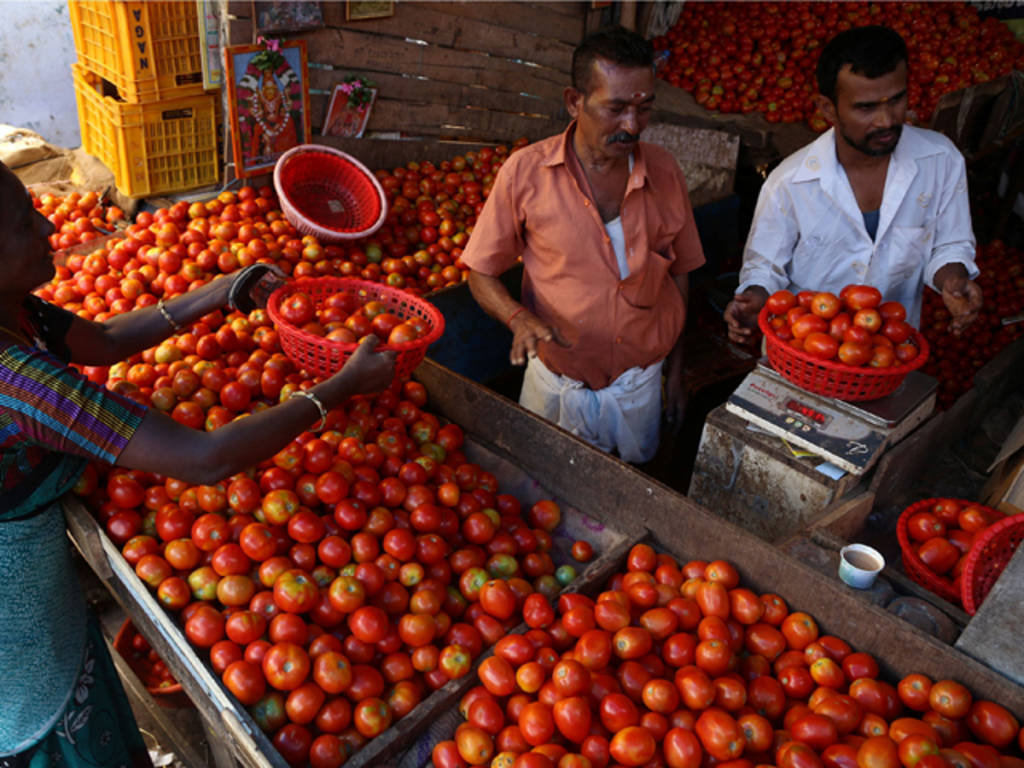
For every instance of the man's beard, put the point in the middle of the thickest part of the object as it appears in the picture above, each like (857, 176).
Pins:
(865, 145)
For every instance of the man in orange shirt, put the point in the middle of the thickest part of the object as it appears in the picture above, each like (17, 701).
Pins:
(605, 228)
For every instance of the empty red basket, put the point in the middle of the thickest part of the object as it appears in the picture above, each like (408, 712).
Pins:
(834, 379)
(988, 557)
(323, 357)
(328, 194)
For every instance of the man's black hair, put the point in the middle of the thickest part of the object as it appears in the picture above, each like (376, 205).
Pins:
(615, 44)
(869, 51)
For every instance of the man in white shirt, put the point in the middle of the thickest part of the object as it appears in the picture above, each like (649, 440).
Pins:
(871, 202)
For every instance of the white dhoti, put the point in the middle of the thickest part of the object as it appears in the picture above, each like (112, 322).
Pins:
(625, 415)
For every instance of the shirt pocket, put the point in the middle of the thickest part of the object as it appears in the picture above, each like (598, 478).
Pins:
(908, 249)
(644, 286)
(825, 249)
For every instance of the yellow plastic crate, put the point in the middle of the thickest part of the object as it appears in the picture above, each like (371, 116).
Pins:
(157, 148)
(150, 51)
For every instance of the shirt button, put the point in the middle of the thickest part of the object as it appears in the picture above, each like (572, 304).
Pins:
(607, 239)
(620, 286)
(618, 340)
(859, 268)
(586, 202)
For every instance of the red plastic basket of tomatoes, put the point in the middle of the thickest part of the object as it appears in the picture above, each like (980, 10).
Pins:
(834, 379)
(149, 668)
(941, 584)
(988, 557)
(325, 357)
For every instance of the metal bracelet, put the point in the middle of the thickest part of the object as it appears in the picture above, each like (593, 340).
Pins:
(319, 406)
(167, 316)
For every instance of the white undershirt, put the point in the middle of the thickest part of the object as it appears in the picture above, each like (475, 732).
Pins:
(618, 237)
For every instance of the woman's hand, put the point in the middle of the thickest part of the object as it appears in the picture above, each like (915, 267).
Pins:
(367, 371)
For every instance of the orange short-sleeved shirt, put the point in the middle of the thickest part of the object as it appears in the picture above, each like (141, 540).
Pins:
(541, 208)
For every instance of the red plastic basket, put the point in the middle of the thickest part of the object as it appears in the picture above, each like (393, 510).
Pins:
(914, 565)
(328, 194)
(832, 379)
(988, 557)
(323, 357)
(169, 697)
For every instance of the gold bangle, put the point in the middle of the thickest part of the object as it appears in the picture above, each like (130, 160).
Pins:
(319, 406)
(167, 316)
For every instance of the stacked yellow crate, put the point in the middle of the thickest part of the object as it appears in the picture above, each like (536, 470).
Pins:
(139, 86)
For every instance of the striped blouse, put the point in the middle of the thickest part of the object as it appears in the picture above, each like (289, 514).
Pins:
(47, 409)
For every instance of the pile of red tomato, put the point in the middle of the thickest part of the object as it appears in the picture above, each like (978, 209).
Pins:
(943, 536)
(684, 668)
(338, 583)
(954, 360)
(856, 328)
(77, 218)
(761, 56)
(343, 319)
(432, 210)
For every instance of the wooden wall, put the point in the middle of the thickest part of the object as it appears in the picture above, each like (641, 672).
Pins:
(490, 71)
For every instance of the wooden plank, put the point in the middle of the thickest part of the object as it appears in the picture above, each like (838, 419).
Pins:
(531, 81)
(382, 53)
(415, 90)
(239, 31)
(439, 120)
(847, 519)
(167, 734)
(452, 31)
(631, 500)
(536, 18)
(241, 9)
(993, 636)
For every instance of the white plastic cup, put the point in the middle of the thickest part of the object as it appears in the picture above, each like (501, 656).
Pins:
(859, 565)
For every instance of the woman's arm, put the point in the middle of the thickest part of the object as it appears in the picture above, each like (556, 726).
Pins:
(122, 336)
(162, 445)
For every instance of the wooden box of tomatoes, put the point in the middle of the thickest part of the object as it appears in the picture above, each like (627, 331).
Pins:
(849, 647)
(583, 546)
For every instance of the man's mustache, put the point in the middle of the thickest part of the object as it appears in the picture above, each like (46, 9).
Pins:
(624, 138)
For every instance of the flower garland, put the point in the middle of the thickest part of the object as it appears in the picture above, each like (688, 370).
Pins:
(249, 108)
(359, 91)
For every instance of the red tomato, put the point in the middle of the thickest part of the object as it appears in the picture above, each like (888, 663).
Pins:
(892, 310)
(854, 353)
(805, 325)
(825, 305)
(780, 302)
(821, 345)
(858, 297)
(869, 320)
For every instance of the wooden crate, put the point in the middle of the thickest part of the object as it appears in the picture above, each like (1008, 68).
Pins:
(619, 494)
(231, 721)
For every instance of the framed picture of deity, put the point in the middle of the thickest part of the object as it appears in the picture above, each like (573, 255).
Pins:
(268, 95)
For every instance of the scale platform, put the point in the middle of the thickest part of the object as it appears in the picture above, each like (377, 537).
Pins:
(853, 436)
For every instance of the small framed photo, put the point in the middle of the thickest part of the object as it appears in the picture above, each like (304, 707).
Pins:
(358, 10)
(350, 107)
(268, 96)
(278, 17)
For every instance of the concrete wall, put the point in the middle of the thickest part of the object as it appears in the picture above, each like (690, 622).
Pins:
(37, 49)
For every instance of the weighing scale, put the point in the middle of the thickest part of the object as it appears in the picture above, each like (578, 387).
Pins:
(852, 436)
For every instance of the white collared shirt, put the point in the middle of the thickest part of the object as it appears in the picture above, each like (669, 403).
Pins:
(809, 234)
